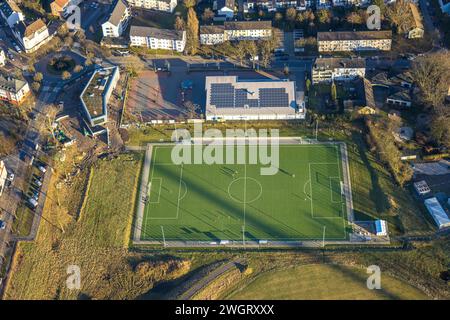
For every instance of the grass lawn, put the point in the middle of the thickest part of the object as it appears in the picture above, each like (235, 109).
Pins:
(202, 202)
(96, 242)
(333, 282)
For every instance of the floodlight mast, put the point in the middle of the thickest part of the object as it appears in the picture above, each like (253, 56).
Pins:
(164, 238)
(323, 236)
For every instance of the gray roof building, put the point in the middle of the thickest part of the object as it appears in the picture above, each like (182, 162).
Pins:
(353, 35)
(117, 13)
(142, 31)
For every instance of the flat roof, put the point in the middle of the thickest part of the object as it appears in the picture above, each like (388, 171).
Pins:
(437, 212)
(334, 63)
(142, 31)
(230, 95)
(211, 29)
(93, 93)
(353, 35)
(247, 25)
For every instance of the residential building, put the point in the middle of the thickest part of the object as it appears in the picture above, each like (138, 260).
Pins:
(354, 41)
(160, 5)
(417, 31)
(349, 3)
(362, 101)
(211, 35)
(117, 21)
(445, 6)
(96, 94)
(11, 12)
(274, 5)
(324, 4)
(336, 69)
(13, 90)
(155, 38)
(3, 176)
(400, 97)
(32, 36)
(58, 7)
(225, 8)
(235, 31)
(2, 58)
(247, 30)
(229, 98)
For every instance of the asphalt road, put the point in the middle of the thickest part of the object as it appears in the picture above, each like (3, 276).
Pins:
(14, 195)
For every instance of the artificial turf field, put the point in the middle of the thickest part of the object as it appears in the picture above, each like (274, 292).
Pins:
(223, 202)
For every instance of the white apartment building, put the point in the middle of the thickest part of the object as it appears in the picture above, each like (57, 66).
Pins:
(2, 58)
(274, 5)
(235, 31)
(211, 35)
(154, 38)
(336, 69)
(117, 21)
(349, 3)
(33, 36)
(160, 5)
(13, 90)
(11, 12)
(354, 41)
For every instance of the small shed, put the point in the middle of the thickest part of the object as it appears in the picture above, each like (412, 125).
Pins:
(380, 228)
(438, 213)
(422, 188)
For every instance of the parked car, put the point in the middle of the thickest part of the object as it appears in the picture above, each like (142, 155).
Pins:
(10, 176)
(33, 202)
(2, 225)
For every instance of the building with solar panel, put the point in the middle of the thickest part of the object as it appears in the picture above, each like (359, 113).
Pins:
(230, 98)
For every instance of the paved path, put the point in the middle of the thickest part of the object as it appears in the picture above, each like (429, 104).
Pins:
(143, 193)
(202, 283)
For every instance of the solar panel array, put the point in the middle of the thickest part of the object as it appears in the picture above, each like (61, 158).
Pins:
(224, 95)
(273, 97)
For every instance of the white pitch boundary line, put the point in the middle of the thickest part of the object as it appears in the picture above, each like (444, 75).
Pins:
(320, 144)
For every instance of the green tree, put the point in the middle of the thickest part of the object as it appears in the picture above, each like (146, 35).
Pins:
(323, 16)
(65, 75)
(333, 92)
(38, 77)
(291, 15)
(35, 86)
(252, 50)
(207, 15)
(179, 23)
(192, 27)
(308, 84)
(381, 5)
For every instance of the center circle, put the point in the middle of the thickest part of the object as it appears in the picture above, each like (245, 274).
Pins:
(245, 190)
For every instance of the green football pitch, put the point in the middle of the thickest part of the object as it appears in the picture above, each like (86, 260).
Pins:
(223, 202)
